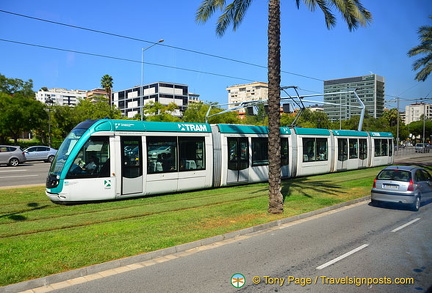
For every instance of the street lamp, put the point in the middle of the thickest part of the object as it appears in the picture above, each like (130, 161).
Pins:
(49, 102)
(142, 76)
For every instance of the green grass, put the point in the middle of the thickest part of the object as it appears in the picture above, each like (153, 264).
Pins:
(39, 238)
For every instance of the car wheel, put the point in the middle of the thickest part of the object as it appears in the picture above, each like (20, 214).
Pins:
(50, 159)
(416, 205)
(13, 162)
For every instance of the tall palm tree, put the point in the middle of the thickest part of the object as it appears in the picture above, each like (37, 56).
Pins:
(425, 48)
(107, 84)
(352, 11)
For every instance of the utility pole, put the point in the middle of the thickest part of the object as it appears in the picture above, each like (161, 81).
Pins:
(397, 125)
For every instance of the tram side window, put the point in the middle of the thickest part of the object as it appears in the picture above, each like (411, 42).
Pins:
(342, 149)
(353, 149)
(92, 160)
(363, 149)
(381, 147)
(284, 151)
(161, 154)
(260, 151)
(315, 149)
(192, 155)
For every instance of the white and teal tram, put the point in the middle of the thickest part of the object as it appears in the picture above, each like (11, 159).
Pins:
(114, 159)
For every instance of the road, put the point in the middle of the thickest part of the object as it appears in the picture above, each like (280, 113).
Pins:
(358, 248)
(30, 173)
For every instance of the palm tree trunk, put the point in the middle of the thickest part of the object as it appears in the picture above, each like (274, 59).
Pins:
(274, 69)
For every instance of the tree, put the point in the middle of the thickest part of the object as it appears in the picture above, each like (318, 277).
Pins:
(19, 114)
(196, 112)
(107, 84)
(425, 48)
(13, 86)
(417, 127)
(19, 110)
(159, 112)
(352, 11)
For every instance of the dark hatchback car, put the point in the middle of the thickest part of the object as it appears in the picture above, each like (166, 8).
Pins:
(402, 184)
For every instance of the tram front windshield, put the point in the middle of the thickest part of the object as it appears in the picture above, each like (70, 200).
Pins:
(65, 150)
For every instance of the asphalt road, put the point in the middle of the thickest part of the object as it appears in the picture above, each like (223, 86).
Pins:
(30, 173)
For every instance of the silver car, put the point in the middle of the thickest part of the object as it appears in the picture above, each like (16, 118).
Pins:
(402, 184)
(40, 153)
(11, 155)
(422, 148)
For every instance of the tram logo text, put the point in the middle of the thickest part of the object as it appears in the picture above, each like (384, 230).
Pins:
(192, 127)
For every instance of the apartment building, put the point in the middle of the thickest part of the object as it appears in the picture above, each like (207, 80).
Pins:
(60, 96)
(414, 112)
(247, 92)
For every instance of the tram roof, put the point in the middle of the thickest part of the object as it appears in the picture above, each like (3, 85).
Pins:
(248, 129)
(349, 133)
(311, 131)
(380, 134)
(150, 126)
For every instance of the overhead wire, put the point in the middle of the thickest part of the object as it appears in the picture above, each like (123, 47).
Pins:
(124, 59)
(151, 42)
(142, 40)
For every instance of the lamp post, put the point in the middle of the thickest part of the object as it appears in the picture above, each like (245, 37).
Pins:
(142, 76)
(49, 102)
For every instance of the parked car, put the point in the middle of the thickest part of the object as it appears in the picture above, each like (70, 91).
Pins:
(11, 155)
(402, 184)
(422, 148)
(40, 153)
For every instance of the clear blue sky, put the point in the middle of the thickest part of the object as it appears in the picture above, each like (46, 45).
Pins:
(310, 52)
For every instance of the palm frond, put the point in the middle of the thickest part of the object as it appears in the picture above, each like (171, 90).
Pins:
(207, 8)
(425, 48)
(424, 73)
(422, 62)
(353, 12)
(233, 13)
(420, 49)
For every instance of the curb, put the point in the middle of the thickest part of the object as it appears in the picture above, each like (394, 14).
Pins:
(114, 264)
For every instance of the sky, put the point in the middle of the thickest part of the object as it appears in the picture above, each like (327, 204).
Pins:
(193, 54)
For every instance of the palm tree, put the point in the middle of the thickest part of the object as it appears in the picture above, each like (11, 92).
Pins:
(352, 11)
(107, 84)
(425, 48)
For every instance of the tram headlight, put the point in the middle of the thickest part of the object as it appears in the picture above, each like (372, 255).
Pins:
(52, 181)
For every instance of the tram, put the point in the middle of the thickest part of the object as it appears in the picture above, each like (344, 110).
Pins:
(116, 159)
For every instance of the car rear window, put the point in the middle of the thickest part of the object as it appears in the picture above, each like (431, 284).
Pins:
(396, 175)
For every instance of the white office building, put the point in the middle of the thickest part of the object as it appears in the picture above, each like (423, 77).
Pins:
(61, 97)
(414, 112)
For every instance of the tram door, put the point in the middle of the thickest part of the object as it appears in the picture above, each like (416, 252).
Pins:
(342, 154)
(131, 160)
(238, 160)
